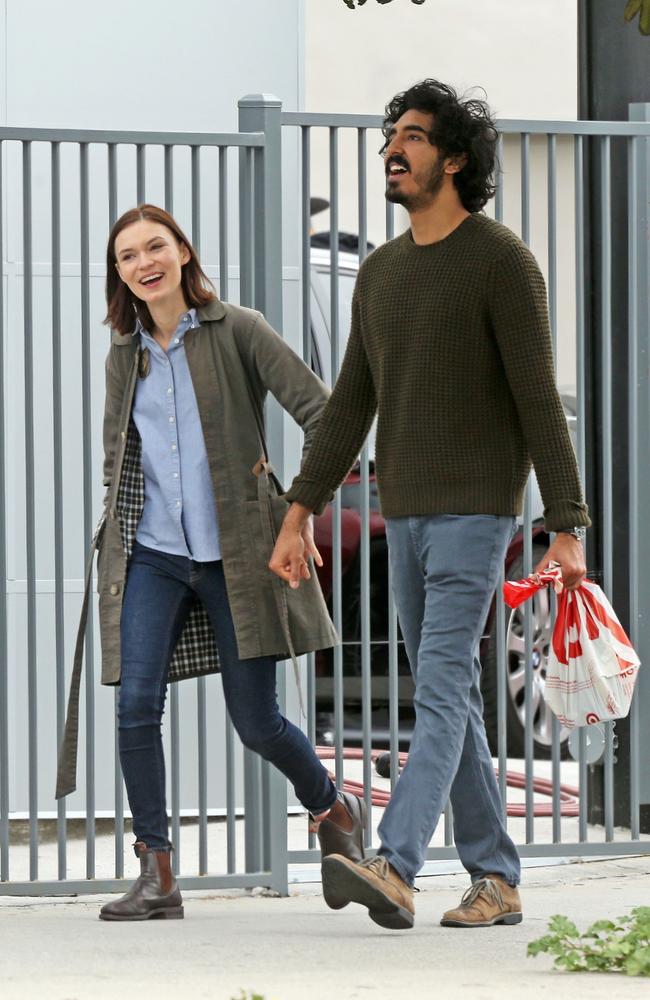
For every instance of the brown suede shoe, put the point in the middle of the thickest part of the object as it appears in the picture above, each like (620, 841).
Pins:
(154, 895)
(488, 901)
(373, 883)
(333, 839)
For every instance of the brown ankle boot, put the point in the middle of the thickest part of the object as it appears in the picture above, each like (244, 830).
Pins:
(154, 894)
(334, 839)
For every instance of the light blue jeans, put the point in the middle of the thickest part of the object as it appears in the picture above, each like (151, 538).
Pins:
(445, 570)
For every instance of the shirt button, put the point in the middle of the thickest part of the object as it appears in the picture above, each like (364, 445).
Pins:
(177, 341)
(175, 475)
(115, 589)
(171, 420)
(173, 447)
(178, 503)
(169, 391)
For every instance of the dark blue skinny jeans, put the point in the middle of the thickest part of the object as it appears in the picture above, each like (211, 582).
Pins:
(159, 594)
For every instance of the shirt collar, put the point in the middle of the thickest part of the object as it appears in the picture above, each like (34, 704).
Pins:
(188, 321)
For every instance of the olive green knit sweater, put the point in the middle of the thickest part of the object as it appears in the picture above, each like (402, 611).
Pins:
(450, 346)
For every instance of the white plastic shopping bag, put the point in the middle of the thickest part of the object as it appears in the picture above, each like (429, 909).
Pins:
(592, 667)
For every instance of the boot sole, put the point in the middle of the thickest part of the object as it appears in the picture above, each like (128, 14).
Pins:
(170, 913)
(344, 883)
(507, 918)
(338, 902)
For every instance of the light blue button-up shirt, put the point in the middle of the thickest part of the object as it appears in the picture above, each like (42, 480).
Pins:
(179, 514)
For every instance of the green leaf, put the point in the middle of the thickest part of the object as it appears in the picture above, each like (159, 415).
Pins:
(601, 925)
(562, 925)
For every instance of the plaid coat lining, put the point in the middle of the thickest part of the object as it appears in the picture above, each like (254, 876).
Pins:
(196, 650)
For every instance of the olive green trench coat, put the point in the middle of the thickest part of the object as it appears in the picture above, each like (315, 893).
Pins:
(234, 358)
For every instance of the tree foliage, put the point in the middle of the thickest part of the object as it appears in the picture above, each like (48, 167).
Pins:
(360, 3)
(642, 8)
(632, 8)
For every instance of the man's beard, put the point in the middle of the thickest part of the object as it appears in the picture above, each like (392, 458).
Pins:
(428, 190)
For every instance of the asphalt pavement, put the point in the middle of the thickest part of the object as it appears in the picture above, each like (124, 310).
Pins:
(239, 944)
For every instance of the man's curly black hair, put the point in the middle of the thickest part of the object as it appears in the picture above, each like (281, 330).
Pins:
(460, 126)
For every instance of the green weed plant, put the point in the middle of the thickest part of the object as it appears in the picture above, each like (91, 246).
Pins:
(621, 945)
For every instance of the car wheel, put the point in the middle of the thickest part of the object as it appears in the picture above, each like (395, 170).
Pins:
(515, 674)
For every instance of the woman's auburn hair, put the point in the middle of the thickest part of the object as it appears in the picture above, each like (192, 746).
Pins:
(122, 306)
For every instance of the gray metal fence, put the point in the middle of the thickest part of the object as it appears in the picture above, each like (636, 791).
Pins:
(63, 187)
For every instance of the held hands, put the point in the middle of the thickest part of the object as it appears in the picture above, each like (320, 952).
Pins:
(569, 553)
(294, 545)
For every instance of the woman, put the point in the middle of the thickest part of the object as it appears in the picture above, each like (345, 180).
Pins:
(186, 536)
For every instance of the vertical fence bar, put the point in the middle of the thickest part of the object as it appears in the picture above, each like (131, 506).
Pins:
(502, 680)
(231, 805)
(498, 195)
(174, 710)
(364, 500)
(57, 457)
(30, 518)
(305, 275)
(196, 197)
(634, 334)
(141, 171)
(246, 290)
(393, 683)
(337, 595)
(606, 358)
(223, 223)
(202, 717)
(552, 308)
(305, 298)
(606, 439)
(580, 420)
(169, 178)
(118, 784)
(84, 245)
(529, 707)
(252, 773)
(175, 737)
(502, 696)
(253, 811)
(306, 337)
(4, 679)
(393, 633)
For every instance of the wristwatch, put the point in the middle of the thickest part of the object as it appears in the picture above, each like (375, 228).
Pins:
(577, 532)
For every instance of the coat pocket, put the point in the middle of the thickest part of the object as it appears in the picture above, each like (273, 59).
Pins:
(309, 622)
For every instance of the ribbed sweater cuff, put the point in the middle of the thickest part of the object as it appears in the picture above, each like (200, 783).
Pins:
(566, 514)
(311, 495)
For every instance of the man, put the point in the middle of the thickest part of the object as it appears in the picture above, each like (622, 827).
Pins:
(450, 345)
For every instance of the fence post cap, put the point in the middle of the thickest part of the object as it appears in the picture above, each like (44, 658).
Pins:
(260, 100)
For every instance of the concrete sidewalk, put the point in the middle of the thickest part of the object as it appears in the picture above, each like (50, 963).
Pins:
(297, 949)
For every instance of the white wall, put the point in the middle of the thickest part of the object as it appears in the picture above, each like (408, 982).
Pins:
(118, 65)
(523, 54)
